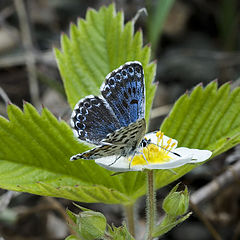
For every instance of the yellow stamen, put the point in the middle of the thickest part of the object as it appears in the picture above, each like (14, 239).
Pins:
(154, 154)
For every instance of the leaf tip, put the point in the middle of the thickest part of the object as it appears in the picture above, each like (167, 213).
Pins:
(25, 102)
(149, 45)
(90, 9)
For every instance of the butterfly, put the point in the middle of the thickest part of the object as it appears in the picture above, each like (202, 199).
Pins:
(113, 121)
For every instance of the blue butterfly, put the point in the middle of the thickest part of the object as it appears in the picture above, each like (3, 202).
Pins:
(115, 120)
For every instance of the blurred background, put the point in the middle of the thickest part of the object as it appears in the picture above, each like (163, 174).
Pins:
(193, 42)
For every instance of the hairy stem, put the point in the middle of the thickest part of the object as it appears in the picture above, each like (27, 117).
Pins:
(129, 211)
(150, 203)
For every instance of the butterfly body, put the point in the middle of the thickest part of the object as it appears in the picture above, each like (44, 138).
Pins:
(115, 120)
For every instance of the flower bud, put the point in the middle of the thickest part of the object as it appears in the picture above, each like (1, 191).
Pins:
(176, 203)
(91, 225)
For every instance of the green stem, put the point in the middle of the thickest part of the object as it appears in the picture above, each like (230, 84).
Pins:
(150, 203)
(129, 211)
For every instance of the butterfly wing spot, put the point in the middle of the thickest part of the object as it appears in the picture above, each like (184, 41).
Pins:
(124, 103)
(125, 94)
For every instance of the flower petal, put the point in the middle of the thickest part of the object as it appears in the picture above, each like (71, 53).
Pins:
(197, 155)
(121, 165)
(174, 163)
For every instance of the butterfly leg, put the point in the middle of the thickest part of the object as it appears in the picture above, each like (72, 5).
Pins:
(134, 156)
(144, 157)
(129, 166)
(115, 160)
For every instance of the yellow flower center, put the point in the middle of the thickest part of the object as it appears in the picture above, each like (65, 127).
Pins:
(154, 153)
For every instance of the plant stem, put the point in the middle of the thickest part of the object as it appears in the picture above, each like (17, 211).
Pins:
(129, 211)
(150, 203)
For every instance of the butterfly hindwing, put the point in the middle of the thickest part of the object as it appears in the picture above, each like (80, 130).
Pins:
(124, 91)
(99, 152)
(92, 119)
(131, 134)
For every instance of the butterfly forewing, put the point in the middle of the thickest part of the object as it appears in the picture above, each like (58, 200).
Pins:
(124, 91)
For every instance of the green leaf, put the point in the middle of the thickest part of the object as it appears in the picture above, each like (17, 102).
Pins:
(97, 46)
(208, 118)
(34, 158)
(157, 17)
(167, 224)
(120, 233)
(72, 237)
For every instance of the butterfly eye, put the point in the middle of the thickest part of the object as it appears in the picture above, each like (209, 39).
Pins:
(131, 71)
(112, 82)
(118, 77)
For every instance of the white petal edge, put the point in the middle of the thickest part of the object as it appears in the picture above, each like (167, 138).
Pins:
(198, 155)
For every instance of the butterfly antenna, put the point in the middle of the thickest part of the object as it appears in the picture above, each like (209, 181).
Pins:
(167, 150)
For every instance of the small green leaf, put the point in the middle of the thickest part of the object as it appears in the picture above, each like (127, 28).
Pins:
(120, 233)
(98, 45)
(72, 237)
(167, 224)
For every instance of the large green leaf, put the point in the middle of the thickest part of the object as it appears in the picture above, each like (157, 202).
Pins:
(35, 149)
(208, 118)
(98, 45)
(34, 157)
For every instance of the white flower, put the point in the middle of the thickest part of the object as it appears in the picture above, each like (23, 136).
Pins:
(160, 153)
